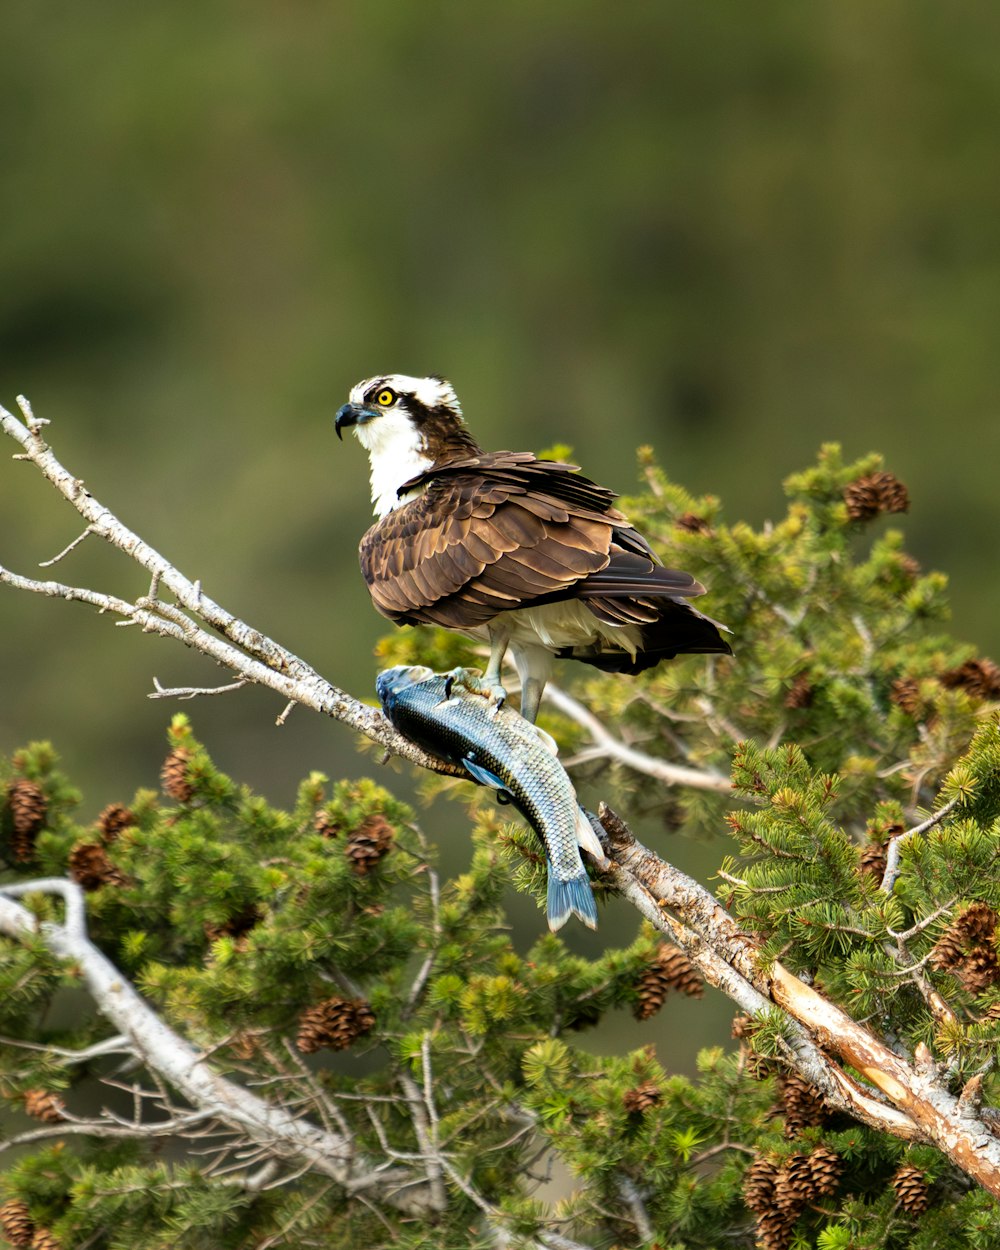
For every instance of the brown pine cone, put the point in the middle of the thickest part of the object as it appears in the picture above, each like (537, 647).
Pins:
(324, 823)
(42, 1105)
(966, 948)
(873, 860)
(981, 678)
(16, 1222)
(775, 1228)
(758, 1184)
(868, 496)
(693, 523)
(114, 818)
(801, 693)
(743, 1027)
(978, 922)
(670, 969)
(369, 843)
(44, 1240)
(905, 693)
(335, 1022)
(912, 1190)
(826, 1167)
(794, 1187)
(28, 808)
(641, 1098)
(979, 969)
(802, 1105)
(237, 926)
(91, 868)
(174, 775)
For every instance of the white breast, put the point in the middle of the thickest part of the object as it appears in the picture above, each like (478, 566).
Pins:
(396, 452)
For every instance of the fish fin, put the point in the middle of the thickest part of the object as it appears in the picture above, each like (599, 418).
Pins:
(484, 776)
(586, 836)
(570, 898)
(546, 739)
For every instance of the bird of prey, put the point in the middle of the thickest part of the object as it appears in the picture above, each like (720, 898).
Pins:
(501, 546)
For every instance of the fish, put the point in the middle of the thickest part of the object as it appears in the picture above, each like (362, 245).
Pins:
(499, 749)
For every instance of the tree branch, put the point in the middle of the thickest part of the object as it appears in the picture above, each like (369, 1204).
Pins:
(606, 745)
(247, 652)
(907, 1100)
(166, 1053)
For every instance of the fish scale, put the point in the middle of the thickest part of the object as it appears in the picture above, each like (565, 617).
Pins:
(498, 748)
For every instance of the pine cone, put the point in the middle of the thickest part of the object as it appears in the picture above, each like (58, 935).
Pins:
(743, 1027)
(909, 566)
(114, 818)
(670, 970)
(174, 775)
(912, 1190)
(336, 1023)
(237, 926)
(42, 1105)
(758, 1184)
(774, 1228)
(981, 678)
(640, 1099)
(801, 693)
(324, 823)
(693, 523)
(905, 693)
(826, 1167)
(966, 948)
(28, 807)
(794, 1187)
(873, 860)
(802, 1105)
(91, 868)
(369, 843)
(867, 496)
(978, 922)
(979, 970)
(16, 1222)
(44, 1240)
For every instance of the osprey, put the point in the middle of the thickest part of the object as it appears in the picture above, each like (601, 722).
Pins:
(501, 546)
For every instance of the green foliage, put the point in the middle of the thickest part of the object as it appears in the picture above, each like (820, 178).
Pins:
(844, 719)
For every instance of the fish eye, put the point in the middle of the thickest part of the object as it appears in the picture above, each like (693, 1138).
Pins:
(386, 397)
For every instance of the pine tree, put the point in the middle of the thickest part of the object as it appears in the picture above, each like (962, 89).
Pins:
(314, 958)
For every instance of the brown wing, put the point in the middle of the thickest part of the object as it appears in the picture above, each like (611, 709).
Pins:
(500, 531)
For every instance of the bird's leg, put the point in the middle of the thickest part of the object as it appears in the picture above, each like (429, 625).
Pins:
(490, 684)
(531, 697)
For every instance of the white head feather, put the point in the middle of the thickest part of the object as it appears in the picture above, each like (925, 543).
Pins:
(396, 448)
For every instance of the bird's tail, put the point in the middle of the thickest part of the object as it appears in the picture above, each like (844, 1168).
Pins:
(570, 898)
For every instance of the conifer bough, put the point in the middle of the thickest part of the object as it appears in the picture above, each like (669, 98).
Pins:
(803, 895)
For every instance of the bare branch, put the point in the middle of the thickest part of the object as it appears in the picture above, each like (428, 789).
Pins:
(607, 745)
(243, 649)
(193, 692)
(895, 844)
(177, 1062)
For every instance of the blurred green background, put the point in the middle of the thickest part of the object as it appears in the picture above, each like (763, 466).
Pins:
(733, 231)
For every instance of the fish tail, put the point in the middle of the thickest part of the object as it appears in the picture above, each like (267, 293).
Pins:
(570, 898)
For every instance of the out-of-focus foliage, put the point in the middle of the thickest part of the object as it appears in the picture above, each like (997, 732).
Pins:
(734, 231)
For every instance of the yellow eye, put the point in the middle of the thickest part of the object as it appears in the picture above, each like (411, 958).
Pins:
(385, 398)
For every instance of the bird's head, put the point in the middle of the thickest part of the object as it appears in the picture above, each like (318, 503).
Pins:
(395, 401)
(406, 425)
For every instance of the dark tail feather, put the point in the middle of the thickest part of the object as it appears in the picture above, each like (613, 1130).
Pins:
(570, 898)
(680, 630)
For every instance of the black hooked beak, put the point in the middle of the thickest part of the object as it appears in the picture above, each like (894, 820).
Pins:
(352, 414)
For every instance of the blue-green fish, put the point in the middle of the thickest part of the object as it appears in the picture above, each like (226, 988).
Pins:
(500, 749)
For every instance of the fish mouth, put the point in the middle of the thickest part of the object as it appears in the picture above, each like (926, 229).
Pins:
(392, 680)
